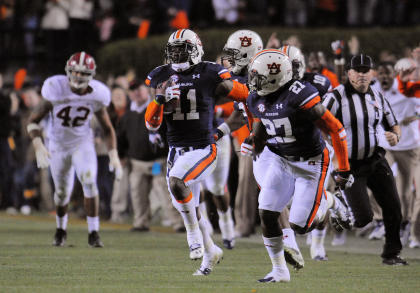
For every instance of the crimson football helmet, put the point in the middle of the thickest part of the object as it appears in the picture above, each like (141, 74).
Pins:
(184, 47)
(268, 71)
(297, 58)
(80, 69)
(240, 47)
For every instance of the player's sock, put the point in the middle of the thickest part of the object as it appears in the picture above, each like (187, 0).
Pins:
(289, 238)
(93, 224)
(275, 250)
(187, 210)
(61, 222)
(207, 241)
(318, 236)
(226, 224)
(204, 214)
(330, 199)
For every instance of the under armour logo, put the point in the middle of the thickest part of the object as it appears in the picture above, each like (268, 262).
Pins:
(261, 107)
(274, 68)
(279, 106)
(187, 212)
(245, 41)
(195, 76)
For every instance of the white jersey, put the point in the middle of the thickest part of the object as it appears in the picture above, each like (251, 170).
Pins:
(71, 114)
(402, 107)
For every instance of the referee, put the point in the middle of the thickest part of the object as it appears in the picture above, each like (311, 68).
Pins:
(361, 110)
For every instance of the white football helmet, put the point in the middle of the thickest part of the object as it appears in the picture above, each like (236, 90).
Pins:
(184, 47)
(80, 69)
(297, 58)
(268, 71)
(240, 47)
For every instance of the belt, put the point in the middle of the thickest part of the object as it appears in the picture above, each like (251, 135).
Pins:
(183, 150)
(295, 158)
(290, 158)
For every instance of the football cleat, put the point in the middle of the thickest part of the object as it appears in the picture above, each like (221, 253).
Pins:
(318, 253)
(94, 240)
(414, 244)
(341, 217)
(196, 251)
(209, 261)
(378, 232)
(394, 261)
(293, 257)
(229, 244)
(60, 237)
(280, 275)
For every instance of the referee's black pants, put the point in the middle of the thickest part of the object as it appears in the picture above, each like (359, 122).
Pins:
(376, 174)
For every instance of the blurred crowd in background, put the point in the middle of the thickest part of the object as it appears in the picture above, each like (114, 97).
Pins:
(43, 33)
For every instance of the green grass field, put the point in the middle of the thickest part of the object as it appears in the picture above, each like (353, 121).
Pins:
(158, 261)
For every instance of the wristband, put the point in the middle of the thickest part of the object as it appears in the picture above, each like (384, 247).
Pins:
(32, 126)
(160, 99)
(224, 128)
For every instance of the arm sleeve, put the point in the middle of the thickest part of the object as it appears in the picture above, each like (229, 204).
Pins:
(409, 89)
(335, 129)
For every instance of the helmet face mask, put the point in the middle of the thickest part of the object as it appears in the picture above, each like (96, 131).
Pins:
(184, 47)
(240, 47)
(268, 71)
(80, 69)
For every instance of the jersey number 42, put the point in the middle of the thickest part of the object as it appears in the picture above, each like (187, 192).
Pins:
(64, 114)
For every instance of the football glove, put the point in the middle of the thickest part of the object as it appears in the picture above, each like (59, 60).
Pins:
(172, 92)
(115, 164)
(343, 179)
(41, 153)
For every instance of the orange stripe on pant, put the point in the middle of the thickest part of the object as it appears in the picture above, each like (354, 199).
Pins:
(185, 200)
(201, 166)
(320, 189)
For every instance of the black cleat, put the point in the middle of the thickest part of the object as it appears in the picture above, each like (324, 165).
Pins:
(228, 244)
(94, 240)
(60, 237)
(394, 261)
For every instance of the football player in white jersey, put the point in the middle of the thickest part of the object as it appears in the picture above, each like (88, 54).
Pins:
(71, 101)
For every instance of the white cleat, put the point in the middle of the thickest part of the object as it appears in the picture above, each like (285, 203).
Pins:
(414, 244)
(378, 232)
(279, 275)
(209, 261)
(318, 253)
(340, 215)
(196, 251)
(293, 257)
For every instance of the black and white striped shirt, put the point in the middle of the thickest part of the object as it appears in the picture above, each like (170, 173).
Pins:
(361, 115)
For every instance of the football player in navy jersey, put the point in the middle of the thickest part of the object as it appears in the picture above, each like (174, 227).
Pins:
(323, 85)
(294, 162)
(238, 51)
(186, 90)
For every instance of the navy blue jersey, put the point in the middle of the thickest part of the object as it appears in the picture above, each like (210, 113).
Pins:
(319, 81)
(284, 115)
(240, 78)
(192, 123)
